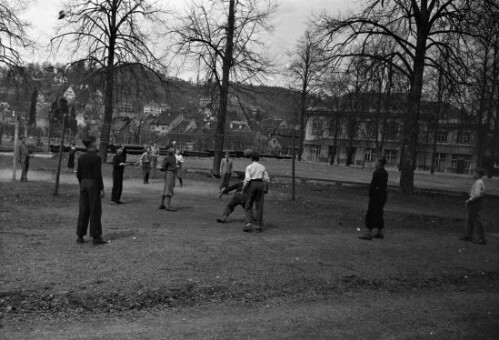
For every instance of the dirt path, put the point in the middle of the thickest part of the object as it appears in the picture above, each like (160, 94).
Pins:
(354, 316)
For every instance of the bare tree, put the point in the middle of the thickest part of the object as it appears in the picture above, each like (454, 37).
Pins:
(305, 73)
(12, 33)
(417, 28)
(108, 34)
(224, 41)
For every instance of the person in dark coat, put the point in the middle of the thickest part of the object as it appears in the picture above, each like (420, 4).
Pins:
(91, 192)
(24, 155)
(71, 157)
(377, 200)
(118, 169)
(239, 198)
(169, 167)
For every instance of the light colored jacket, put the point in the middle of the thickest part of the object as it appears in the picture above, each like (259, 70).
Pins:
(225, 165)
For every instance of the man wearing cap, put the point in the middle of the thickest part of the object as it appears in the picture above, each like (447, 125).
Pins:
(169, 166)
(255, 183)
(91, 191)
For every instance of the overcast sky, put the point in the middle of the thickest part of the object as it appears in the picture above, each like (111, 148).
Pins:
(290, 21)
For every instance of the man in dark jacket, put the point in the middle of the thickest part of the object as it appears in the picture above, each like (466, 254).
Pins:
(118, 169)
(169, 166)
(239, 198)
(23, 153)
(91, 191)
(377, 200)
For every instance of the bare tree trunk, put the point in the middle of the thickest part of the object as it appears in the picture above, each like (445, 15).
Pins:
(108, 92)
(303, 113)
(413, 114)
(224, 90)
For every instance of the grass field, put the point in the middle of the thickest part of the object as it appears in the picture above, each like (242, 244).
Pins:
(182, 275)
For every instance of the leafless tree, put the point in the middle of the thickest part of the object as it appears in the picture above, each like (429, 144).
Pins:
(12, 33)
(305, 72)
(224, 40)
(109, 34)
(417, 28)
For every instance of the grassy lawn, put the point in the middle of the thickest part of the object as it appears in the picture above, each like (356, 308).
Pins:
(183, 275)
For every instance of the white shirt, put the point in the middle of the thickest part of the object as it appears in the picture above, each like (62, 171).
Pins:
(477, 190)
(179, 158)
(255, 171)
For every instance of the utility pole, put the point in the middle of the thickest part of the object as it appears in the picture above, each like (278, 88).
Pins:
(293, 167)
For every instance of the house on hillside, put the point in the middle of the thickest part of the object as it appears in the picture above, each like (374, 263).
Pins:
(166, 122)
(359, 134)
(155, 109)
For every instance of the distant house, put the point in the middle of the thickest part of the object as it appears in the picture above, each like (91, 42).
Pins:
(360, 133)
(69, 94)
(155, 109)
(166, 122)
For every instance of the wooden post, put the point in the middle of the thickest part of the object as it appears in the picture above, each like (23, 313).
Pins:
(59, 161)
(15, 153)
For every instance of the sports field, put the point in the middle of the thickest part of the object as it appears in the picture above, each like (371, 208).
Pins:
(182, 275)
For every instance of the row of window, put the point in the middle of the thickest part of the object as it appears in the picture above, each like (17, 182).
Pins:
(370, 155)
(390, 132)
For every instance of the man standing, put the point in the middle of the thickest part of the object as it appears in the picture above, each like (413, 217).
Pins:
(474, 205)
(145, 162)
(154, 161)
(180, 160)
(255, 183)
(225, 171)
(377, 200)
(169, 166)
(118, 169)
(24, 155)
(91, 191)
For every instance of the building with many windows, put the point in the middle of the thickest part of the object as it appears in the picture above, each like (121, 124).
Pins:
(359, 134)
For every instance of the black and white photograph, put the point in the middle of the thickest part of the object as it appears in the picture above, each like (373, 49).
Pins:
(249, 169)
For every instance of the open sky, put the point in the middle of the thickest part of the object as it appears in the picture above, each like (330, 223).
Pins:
(290, 22)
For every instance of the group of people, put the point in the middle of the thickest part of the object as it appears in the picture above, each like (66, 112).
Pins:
(249, 191)
(149, 161)
(378, 196)
(89, 175)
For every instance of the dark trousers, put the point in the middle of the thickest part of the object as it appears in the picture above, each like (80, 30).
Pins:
(474, 220)
(24, 169)
(90, 209)
(225, 180)
(374, 215)
(146, 170)
(239, 198)
(255, 193)
(117, 186)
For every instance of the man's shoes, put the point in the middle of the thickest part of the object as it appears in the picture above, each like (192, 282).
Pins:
(162, 207)
(220, 220)
(98, 240)
(379, 235)
(247, 228)
(481, 242)
(113, 202)
(80, 240)
(466, 238)
(366, 237)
